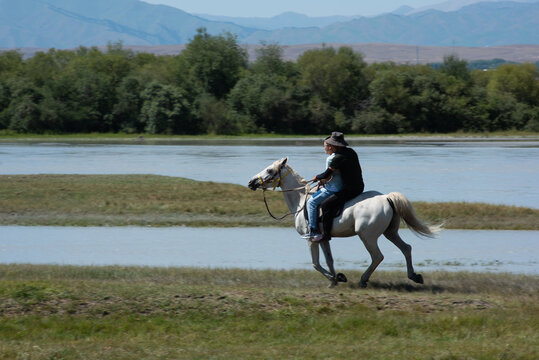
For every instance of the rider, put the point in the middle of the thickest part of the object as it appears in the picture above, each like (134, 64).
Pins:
(345, 162)
(327, 187)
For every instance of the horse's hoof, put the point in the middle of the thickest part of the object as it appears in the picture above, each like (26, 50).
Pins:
(341, 277)
(418, 278)
(362, 284)
(332, 284)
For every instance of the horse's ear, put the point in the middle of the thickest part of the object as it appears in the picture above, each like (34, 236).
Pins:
(283, 162)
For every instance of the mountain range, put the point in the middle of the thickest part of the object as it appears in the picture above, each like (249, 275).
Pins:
(67, 24)
(453, 5)
(292, 19)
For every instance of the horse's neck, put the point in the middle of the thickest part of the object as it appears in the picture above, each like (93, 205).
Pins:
(294, 199)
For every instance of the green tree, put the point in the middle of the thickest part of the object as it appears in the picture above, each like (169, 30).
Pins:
(379, 121)
(532, 121)
(521, 81)
(269, 61)
(5, 100)
(525, 117)
(115, 64)
(42, 68)
(23, 114)
(215, 115)
(211, 64)
(321, 116)
(423, 98)
(165, 110)
(389, 91)
(336, 77)
(453, 66)
(87, 97)
(11, 63)
(271, 103)
(126, 111)
(51, 114)
(148, 68)
(500, 107)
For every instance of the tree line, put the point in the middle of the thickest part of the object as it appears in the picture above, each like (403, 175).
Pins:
(211, 88)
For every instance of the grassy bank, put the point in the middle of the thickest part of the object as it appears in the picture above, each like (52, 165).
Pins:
(10, 136)
(53, 312)
(150, 200)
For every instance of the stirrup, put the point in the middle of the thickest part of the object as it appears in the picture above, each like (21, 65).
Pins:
(317, 237)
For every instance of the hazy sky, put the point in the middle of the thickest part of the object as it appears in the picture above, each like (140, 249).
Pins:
(269, 8)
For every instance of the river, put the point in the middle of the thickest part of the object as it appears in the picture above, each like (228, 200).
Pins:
(261, 248)
(499, 172)
(490, 172)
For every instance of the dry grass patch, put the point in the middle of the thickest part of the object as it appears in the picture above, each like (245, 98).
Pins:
(462, 215)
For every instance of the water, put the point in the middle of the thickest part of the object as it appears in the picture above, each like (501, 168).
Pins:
(261, 248)
(490, 172)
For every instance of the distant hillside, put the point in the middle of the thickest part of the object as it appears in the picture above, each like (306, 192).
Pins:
(482, 24)
(454, 5)
(284, 20)
(403, 10)
(69, 23)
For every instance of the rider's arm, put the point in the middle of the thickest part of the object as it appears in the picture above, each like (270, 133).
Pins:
(326, 174)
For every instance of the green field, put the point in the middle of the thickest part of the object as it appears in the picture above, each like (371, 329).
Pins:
(151, 200)
(56, 312)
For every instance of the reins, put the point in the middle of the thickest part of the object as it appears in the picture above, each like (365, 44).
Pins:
(276, 183)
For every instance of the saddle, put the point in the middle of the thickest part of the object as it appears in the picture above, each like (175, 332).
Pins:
(333, 212)
(327, 212)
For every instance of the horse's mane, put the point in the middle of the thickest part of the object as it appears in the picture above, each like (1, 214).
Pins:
(297, 176)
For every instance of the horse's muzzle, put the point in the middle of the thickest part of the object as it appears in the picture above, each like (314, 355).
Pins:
(253, 184)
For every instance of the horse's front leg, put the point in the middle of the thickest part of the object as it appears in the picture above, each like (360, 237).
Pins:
(315, 255)
(326, 249)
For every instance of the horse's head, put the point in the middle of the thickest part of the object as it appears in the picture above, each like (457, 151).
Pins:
(270, 176)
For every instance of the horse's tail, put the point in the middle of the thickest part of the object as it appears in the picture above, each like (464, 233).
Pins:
(405, 210)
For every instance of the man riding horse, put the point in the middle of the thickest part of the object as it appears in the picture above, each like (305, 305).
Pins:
(368, 215)
(343, 161)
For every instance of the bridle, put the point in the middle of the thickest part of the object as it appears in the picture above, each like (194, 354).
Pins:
(277, 183)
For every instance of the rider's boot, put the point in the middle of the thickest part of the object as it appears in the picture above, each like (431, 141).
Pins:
(312, 232)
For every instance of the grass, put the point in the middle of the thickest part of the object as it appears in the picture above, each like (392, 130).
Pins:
(64, 312)
(8, 135)
(126, 200)
(151, 200)
(462, 215)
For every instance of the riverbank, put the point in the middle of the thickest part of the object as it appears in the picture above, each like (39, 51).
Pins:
(122, 138)
(146, 313)
(151, 200)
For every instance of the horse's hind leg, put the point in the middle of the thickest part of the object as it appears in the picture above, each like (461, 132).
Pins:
(392, 235)
(376, 258)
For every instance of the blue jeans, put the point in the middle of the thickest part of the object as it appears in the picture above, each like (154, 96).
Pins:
(312, 206)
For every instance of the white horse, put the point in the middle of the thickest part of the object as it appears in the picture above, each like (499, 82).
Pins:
(369, 215)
